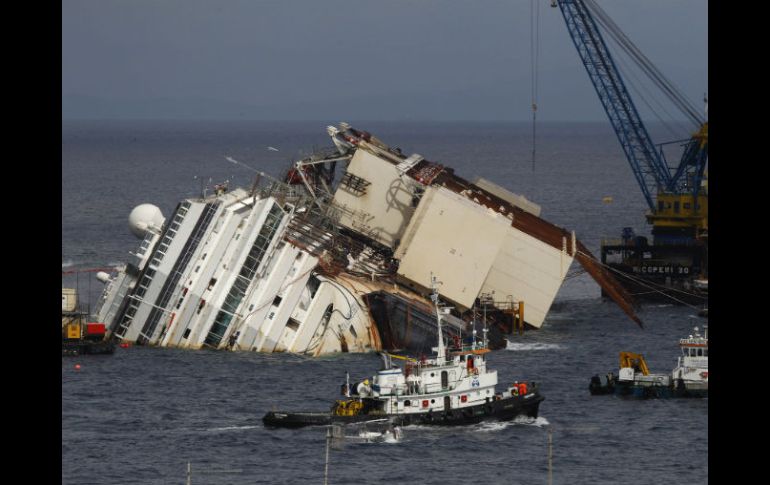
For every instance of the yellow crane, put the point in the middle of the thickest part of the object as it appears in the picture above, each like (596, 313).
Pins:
(630, 359)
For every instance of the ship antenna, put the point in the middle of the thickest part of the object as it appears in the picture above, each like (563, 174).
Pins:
(485, 297)
(434, 296)
(347, 384)
(473, 328)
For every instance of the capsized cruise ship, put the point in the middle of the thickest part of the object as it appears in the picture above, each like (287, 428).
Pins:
(324, 262)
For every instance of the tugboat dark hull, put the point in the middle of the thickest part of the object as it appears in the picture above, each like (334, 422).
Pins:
(500, 410)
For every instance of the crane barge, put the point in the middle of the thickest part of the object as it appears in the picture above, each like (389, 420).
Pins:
(675, 265)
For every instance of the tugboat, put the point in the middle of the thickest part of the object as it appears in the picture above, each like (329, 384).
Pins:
(78, 336)
(454, 387)
(690, 377)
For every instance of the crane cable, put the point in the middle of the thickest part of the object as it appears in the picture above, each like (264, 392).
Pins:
(668, 88)
(651, 285)
(646, 96)
(535, 54)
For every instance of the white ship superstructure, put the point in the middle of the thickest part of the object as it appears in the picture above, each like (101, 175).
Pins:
(287, 266)
(692, 367)
(222, 275)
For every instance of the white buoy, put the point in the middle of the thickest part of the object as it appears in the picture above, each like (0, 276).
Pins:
(103, 277)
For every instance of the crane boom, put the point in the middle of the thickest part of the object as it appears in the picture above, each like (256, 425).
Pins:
(648, 164)
(649, 168)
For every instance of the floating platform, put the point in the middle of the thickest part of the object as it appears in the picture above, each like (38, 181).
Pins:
(87, 347)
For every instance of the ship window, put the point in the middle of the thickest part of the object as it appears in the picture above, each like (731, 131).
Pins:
(312, 284)
(277, 300)
(687, 205)
(705, 352)
(186, 333)
(700, 352)
(293, 324)
(212, 283)
(407, 403)
(676, 207)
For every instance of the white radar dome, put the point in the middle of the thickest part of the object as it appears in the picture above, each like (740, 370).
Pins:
(144, 216)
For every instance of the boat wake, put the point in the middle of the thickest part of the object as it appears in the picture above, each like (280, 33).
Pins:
(233, 428)
(384, 437)
(490, 426)
(539, 422)
(516, 346)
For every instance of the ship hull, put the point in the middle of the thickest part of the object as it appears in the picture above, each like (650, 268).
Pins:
(83, 347)
(630, 389)
(500, 410)
(405, 325)
(659, 272)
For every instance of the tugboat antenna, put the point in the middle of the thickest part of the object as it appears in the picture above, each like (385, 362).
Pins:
(434, 296)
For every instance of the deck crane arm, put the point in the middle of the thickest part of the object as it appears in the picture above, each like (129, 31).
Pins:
(648, 164)
(631, 359)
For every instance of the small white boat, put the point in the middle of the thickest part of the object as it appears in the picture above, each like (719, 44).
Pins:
(690, 377)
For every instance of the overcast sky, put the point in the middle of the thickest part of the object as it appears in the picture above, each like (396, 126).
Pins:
(353, 59)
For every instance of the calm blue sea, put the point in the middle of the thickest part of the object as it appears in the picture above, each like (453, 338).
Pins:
(141, 415)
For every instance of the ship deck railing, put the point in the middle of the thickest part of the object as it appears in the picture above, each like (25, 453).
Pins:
(631, 243)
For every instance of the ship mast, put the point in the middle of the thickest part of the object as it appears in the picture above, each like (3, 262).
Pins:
(434, 297)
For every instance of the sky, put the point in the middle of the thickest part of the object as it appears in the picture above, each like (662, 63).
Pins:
(355, 59)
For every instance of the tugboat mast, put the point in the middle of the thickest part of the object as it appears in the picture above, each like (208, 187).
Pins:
(434, 297)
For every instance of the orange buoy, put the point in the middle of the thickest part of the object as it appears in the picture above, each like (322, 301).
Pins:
(77, 366)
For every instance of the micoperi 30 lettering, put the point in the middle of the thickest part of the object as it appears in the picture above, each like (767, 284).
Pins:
(683, 270)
